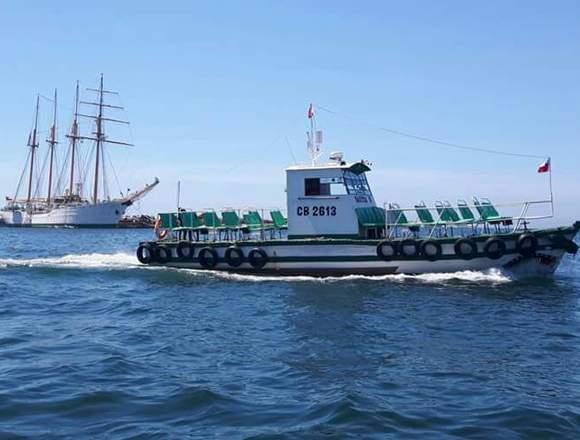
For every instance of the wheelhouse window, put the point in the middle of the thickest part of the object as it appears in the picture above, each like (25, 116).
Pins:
(356, 184)
(325, 186)
(312, 187)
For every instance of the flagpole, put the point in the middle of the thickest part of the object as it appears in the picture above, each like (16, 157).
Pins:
(312, 147)
(550, 181)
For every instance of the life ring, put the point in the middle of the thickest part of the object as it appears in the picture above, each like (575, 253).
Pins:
(161, 234)
(561, 242)
(185, 250)
(466, 248)
(494, 248)
(162, 254)
(387, 250)
(257, 258)
(234, 256)
(409, 248)
(431, 250)
(207, 257)
(145, 253)
(527, 245)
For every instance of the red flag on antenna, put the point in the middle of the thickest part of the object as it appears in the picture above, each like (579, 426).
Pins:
(545, 167)
(310, 112)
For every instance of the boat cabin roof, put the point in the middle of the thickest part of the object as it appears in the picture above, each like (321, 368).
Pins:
(354, 167)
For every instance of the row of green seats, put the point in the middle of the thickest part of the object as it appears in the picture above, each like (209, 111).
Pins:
(209, 220)
(448, 214)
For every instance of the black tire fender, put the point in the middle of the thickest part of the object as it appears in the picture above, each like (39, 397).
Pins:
(465, 248)
(387, 250)
(257, 258)
(207, 257)
(145, 253)
(431, 250)
(494, 248)
(163, 254)
(234, 256)
(409, 248)
(527, 245)
(185, 250)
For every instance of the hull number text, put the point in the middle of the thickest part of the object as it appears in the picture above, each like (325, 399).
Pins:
(317, 211)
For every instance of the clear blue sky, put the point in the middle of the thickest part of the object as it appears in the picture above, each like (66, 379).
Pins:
(213, 89)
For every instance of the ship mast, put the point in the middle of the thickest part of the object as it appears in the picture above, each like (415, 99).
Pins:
(73, 136)
(33, 144)
(100, 137)
(52, 141)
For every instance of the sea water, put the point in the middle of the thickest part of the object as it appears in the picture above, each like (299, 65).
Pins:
(93, 344)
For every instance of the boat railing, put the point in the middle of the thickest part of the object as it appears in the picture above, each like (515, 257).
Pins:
(401, 222)
(252, 223)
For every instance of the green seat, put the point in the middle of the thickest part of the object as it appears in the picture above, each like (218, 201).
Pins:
(231, 220)
(400, 219)
(424, 214)
(254, 222)
(488, 212)
(448, 214)
(465, 211)
(190, 221)
(371, 217)
(444, 212)
(169, 220)
(211, 220)
(280, 222)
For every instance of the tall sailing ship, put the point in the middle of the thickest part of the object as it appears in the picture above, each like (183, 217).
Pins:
(63, 202)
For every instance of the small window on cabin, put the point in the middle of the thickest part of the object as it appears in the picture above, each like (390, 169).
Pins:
(324, 187)
(312, 187)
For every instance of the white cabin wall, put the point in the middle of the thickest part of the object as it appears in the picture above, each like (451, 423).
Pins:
(344, 223)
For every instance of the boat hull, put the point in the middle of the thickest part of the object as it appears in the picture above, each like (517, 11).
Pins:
(360, 257)
(100, 215)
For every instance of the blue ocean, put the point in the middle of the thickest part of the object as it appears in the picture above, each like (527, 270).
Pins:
(94, 345)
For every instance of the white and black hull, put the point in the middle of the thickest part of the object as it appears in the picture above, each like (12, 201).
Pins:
(319, 257)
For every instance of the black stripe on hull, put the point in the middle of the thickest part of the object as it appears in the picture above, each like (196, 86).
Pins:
(314, 272)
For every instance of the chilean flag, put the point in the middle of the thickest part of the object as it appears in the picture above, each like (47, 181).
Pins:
(545, 167)
(310, 112)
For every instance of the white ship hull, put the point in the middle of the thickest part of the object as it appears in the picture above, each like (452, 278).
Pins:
(100, 215)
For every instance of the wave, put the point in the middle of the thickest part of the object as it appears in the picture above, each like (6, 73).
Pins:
(123, 261)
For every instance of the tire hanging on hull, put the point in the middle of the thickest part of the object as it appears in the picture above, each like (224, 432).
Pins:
(494, 248)
(207, 257)
(387, 250)
(466, 248)
(145, 253)
(257, 258)
(185, 250)
(234, 256)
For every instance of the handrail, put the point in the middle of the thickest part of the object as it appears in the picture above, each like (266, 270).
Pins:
(518, 219)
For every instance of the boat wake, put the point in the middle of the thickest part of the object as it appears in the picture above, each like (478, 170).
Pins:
(124, 261)
(491, 277)
(77, 261)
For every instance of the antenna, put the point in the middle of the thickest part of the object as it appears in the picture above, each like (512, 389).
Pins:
(314, 141)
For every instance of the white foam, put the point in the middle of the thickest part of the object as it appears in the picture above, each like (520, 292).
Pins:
(493, 276)
(77, 261)
(122, 261)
